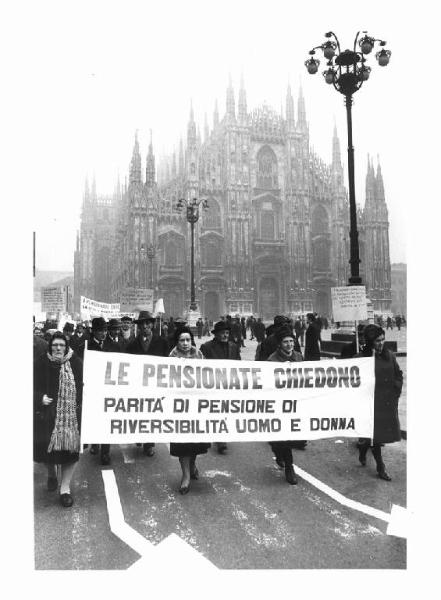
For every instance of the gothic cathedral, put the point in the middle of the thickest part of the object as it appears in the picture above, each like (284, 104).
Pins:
(274, 239)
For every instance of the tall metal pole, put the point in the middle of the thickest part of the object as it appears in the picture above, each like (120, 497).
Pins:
(193, 293)
(355, 278)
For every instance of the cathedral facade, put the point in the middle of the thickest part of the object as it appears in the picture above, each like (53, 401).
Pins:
(273, 240)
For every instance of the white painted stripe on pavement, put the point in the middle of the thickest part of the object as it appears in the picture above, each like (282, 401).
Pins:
(326, 489)
(118, 526)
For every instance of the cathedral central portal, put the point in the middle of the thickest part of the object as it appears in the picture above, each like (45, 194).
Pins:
(268, 298)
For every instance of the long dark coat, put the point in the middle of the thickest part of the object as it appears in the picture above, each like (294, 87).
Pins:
(388, 386)
(46, 381)
(218, 350)
(312, 338)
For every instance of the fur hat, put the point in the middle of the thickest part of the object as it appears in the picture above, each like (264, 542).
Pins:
(284, 332)
(221, 326)
(99, 323)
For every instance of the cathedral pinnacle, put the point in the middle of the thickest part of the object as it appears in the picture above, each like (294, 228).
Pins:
(135, 163)
(231, 106)
(191, 129)
(242, 104)
(150, 165)
(289, 109)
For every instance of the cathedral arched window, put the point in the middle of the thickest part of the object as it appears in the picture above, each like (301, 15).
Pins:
(212, 216)
(267, 225)
(267, 168)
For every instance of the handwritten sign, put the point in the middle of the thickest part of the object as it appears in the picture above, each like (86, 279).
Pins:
(349, 303)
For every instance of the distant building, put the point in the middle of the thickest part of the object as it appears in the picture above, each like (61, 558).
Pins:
(399, 289)
(275, 238)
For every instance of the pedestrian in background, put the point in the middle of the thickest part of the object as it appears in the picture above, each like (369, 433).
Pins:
(312, 338)
(388, 386)
(78, 340)
(58, 389)
(186, 452)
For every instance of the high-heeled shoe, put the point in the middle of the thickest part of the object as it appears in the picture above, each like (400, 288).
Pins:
(184, 489)
(383, 475)
(66, 500)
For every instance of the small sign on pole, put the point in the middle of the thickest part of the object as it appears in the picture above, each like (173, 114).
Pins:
(349, 303)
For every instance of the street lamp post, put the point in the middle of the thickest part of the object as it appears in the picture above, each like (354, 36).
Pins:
(192, 216)
(347, 72)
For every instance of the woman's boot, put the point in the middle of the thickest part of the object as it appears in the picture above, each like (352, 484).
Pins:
(381, 469)
(290, 474)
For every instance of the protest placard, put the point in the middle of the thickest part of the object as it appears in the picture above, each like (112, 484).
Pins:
(135, 299)
(91, 308)
(53, 299)
(131, 398)
(349, 303)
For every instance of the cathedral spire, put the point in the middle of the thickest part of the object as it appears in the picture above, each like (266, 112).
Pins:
(215, 115)
(206, 129)
(336, 154)
(289, 109)
(301, 112)
(135, 163)
(181, 164)
(242, 103)
(86, 197)
(231, 106)
(174, 171)
(370, 184)
(379, 183)
(150, 165)
(93, 190)
(191, 128)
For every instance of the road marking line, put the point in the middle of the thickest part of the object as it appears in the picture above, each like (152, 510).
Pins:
(326, 489)
(398, 519)
(118, 526)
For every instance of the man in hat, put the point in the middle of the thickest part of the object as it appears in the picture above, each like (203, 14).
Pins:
(126, 335)
(78, 340)
(111, 342)
(146, 342)
(220, 348)
(96, 343)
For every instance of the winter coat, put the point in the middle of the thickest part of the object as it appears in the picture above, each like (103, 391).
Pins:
(259, 331)
(124, 343)
(158, 347)
(111, 345)
(218, 350)
(279, 356)
(269, 345)
(388, 385)
(46, 381)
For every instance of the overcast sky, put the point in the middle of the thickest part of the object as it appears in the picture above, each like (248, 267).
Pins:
(98, 71)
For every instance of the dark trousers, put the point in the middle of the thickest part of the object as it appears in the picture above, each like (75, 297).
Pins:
(282, 452)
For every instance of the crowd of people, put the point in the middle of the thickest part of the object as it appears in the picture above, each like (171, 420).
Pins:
(58, 364)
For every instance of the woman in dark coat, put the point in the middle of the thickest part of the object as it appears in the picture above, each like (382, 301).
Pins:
(58, 387)
(186, 452)
(388, 384)
(283, 449)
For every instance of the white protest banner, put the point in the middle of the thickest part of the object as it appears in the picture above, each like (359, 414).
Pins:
(53, 299)
(349, 303)
(130, 398)
(135, 299)
(91, 308)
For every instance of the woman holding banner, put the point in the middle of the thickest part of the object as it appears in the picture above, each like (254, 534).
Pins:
(58, 386)
(186, 452)
(388, 384)
(285, 353)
